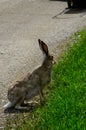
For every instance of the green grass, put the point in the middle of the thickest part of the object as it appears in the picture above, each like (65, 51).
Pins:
(65, 107)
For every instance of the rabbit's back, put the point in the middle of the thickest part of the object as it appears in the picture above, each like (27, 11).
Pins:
(37, 81)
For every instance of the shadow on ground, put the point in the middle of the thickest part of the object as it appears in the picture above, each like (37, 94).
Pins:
(21, 110)
(75, 11)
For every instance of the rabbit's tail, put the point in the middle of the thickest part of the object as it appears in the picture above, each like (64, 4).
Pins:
(8, 105)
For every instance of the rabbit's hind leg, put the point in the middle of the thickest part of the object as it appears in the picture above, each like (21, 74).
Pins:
(20, 103)
(9, 105)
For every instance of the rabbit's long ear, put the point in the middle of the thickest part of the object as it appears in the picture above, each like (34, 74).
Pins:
(43, 47)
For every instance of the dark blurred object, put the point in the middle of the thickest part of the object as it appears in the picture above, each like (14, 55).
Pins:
(76, 3)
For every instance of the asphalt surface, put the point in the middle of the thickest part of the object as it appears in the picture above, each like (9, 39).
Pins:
(22, 23)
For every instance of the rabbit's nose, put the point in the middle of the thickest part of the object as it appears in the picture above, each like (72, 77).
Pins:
(53, 62)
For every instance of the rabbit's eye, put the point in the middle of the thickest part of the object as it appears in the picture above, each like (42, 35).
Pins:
(52, 57)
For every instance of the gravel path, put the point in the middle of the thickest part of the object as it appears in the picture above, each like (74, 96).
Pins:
(22, 22)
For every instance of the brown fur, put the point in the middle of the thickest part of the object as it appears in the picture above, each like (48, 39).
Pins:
(34, 83)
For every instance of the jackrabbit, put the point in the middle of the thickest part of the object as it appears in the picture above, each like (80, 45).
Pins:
(34, 83)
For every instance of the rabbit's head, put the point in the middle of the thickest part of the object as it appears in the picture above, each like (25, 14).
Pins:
(48, 60)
